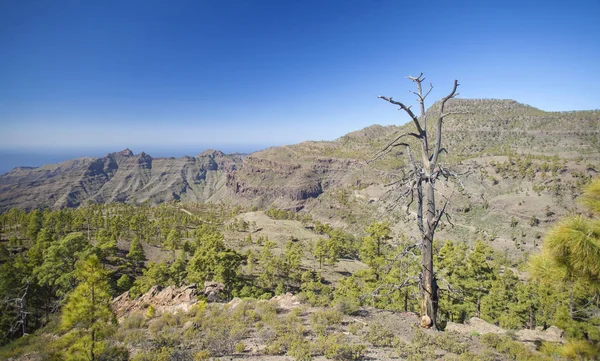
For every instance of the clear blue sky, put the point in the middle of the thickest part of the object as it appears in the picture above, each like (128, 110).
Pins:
(197, 74)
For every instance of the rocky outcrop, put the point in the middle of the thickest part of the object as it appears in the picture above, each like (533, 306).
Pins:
(213, 291)
(290, 176)
(477, 325)
(169, 299)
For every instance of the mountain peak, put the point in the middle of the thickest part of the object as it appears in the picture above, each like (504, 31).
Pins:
(211, 152)
(126, 152)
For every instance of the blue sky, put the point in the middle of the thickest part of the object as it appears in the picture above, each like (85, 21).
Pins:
(250, 74)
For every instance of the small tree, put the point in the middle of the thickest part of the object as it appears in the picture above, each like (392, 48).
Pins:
(421, 179)
(374, 247)
(173, 241)
(136, 252)
(88, 311)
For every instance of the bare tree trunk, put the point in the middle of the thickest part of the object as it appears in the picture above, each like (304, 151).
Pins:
(429, 295)
(427, 172)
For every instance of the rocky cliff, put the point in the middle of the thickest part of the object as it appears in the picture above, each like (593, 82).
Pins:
(118, 177)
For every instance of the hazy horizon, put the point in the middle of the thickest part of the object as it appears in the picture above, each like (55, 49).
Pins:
(36, 157)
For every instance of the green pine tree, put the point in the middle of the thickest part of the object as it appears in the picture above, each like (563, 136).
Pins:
(136, 252)
(87, 311)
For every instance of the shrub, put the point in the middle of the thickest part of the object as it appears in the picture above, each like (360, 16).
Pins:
(240, 347)
(300, 350)
(202, 355)
(150, 312)
(320, 320)
(449, 342)
(346, 305)
(335, 347)
(579, 350)
(354, 327)
(136, 320)
(490, 339)
(381, 336)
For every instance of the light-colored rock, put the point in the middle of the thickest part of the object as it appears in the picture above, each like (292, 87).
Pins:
(170, 299)
(483, 327)
(287, 301)
(554, 334)
(477, 325)
(234, 302)
(213, 291)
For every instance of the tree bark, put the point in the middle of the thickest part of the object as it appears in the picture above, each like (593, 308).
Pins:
(429, 295)
(425, 175)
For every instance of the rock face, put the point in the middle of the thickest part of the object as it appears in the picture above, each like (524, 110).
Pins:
(213, 291)
(118, 177)
(290, 176)
(170, 299)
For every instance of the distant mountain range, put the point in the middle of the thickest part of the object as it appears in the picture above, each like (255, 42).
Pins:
(337, 181)
(118, 177)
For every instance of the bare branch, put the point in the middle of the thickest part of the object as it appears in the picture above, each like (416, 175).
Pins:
(429, 91)
(438, 142)
(442, 212)
(400, 255)
(410, 281)
(416, 79)
(406, 109)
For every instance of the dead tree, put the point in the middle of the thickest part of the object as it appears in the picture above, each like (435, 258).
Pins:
(419, 182)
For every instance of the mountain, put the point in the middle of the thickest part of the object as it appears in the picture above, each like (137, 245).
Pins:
(118, 177)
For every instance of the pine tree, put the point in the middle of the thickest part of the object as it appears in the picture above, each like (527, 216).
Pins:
(173, 241)
(319, 251)
(569, 264)
(178, 268)
(60, 258)
(35, 225)
(88, 311)
(374, 247)
(136, 252)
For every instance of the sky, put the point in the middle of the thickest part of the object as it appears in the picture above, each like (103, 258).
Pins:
(175, 76)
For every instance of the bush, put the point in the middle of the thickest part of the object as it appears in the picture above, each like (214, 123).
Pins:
(320, 320)
(300, 350)
(354, 327)
(335, 347)
(381, 336)
(346, 305)
(490, 339)
(134, 321)
(117, 353)
(449, 342)
(579, 350)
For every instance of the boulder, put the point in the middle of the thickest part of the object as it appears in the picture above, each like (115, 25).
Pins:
(213, 291)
